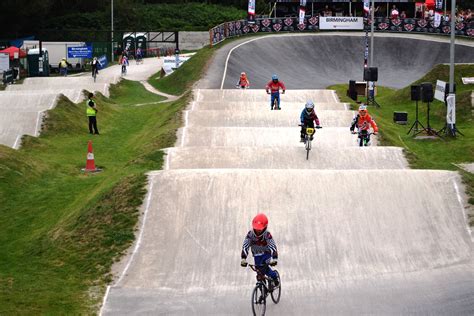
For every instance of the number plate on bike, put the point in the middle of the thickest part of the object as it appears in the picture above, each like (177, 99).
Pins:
(310, 131)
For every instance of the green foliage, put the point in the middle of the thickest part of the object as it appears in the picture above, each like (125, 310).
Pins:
(61, 230)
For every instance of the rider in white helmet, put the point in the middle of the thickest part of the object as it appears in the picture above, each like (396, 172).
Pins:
(307, 118)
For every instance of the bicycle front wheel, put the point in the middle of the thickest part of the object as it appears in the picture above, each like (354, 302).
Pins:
(308, 147)
(276, 293)
(259, 303)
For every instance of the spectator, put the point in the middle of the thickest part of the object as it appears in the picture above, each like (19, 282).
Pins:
(403, 15)
(327, 11)
(91, 115)
(63, 65)
(418, 14)
(394, 14)
(378, 12)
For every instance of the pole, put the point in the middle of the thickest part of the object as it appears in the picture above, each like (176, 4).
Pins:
(312, 8)
(451, 50)
(445, 5)
(112, 31)
(372, 34)
(350, 8)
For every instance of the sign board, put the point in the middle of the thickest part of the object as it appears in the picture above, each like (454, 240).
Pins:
(79, 52)
(468, 80)
(341, 23)
(440, 90)
(103, 61)
(4, 62)
(451, 112)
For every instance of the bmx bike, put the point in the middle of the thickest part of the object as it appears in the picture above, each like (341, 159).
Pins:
(363, 137)
(308, 138)
(261, 290)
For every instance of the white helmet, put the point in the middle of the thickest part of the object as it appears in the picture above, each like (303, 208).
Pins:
(362, 107)
(309, 105)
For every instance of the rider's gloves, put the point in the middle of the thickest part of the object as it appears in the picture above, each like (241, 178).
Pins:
(351, 129)
(319, 126)
(273, 262)
(243, 263)
(283, 92)
(375, 133)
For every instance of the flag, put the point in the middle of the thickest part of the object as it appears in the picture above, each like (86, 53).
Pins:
(302, 11)
(251, 11)
(366, 7)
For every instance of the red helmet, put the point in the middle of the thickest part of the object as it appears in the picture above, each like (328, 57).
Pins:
(260, 222)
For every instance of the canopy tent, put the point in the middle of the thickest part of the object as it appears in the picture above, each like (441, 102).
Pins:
(12, 50)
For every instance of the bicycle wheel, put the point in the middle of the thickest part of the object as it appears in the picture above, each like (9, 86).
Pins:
(95, 75)
(276, 293)
(308, 147)
(259, 302)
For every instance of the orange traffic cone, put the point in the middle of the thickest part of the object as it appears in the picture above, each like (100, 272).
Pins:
(90, 164)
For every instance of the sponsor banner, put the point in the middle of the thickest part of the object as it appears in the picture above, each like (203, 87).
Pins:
(79, 52)
(437, 19)
(440, 90)
(274, 25)
(169, 63)
(451, 110)
(302, 11)
(103, 61)
(341, 23)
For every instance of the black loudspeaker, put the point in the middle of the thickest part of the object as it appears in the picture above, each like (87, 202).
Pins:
(427, 94)
(352, 85)
(371, 74)
(416, 93)
(400, 117)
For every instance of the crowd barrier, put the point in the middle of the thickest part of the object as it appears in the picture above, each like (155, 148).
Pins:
(274, 25)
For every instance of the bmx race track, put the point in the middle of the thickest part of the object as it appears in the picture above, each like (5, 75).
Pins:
(358, 232)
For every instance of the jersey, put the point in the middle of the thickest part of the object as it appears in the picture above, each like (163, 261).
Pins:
(259, 245)
(306, 117)
(363, 123)
(275, 87)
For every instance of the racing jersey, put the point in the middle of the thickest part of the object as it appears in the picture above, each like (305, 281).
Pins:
(306, 117)
(275, 87)
(364, 123)
(259, 245)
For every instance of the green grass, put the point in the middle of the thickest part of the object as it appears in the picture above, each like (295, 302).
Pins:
(427, 154)
(61, 230)
(183, 78)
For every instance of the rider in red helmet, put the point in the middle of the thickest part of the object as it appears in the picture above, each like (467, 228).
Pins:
(263, 247)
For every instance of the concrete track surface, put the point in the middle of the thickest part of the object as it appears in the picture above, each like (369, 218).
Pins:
(358, 232)
(318, 60)
(23, 106)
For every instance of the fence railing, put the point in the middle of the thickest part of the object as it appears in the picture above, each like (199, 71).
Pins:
(274, 25)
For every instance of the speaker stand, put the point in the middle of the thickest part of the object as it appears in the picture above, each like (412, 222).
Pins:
(450, 132)
(415, 124)
(371, 99)
(428, 130)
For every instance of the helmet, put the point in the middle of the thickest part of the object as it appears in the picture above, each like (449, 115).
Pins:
(259, 223)
(309, 106)
(243, 74)
(274, 77)
(95, 58)
(362, 110)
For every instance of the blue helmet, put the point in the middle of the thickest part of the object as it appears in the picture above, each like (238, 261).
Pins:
(274, 77)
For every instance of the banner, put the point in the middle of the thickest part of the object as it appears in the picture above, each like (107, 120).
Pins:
(451, 112)
(440, 90)
(438, 13)
(251, 11)
(341, 23)
(79, 52)
(302, 11)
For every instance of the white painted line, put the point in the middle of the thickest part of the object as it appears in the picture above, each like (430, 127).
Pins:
(18, 138)
(104, 300)
(38, 118)
(183, 133)
(192, 106)
(167, 163)
(228, 57)
(140, 235)
(346, 107)
(198, 95)
(458, 195)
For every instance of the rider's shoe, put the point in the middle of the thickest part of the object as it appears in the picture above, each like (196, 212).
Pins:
(302, 140)
(311, 138)
(276, 283)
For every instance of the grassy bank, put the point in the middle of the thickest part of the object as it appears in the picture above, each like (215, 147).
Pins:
(428, 153)
(61, 230)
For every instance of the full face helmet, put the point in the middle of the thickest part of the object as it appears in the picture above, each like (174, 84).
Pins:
(275, 78)
(309, 106)
(259, 224)
(362, 110)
